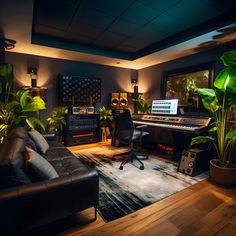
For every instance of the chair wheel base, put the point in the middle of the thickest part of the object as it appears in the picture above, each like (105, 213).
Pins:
(121, 168)
(141, 167)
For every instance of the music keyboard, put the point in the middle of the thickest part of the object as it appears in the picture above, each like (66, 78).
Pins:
(184, 124)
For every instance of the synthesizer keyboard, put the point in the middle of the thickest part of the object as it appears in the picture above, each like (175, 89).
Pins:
(184, 124)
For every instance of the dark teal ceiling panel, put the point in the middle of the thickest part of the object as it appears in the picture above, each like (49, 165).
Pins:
(160, 5)
(56, 14)
(86, 30)
(108, 39)
(165, 23)
(110, 7)
(139, 14)
(126, 28)
(92, 17)
(193, 11)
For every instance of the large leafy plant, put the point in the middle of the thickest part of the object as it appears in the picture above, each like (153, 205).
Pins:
(219, 101)
(57, 120)
(21, 110)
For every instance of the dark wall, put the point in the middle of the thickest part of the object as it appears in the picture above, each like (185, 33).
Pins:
(113, 79)
(152, 76)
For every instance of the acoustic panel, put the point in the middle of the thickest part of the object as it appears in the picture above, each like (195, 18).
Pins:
(75, 90)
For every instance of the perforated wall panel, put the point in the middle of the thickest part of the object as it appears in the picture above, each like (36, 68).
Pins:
(84, 90)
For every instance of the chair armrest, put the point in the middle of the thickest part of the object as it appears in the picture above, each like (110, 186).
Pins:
(141, 129)
(141, 126)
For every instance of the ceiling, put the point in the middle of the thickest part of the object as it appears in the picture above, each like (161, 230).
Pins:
(125, 33)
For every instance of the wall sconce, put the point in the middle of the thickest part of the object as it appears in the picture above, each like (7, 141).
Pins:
(134, 82)
(33, 76)
(34, 89)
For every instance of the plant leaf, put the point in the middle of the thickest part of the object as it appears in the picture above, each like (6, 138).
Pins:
(13, 105)
(33, 122)
(23, 98)
(201, 139)
(213, 129)
(226, 79)
(231, 134)
(229, 59)
(38, 103)
(209, 99)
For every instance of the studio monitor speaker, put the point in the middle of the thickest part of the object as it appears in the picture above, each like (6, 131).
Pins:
(115, 100)
(123, 100)
(195, 161)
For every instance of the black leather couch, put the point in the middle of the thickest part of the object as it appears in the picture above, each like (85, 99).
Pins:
(25, 206)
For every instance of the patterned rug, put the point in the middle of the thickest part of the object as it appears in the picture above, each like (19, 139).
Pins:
(124, 191)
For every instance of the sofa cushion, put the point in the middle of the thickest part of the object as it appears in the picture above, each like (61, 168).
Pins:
(39, 140)
(12, 166)
(41, 167)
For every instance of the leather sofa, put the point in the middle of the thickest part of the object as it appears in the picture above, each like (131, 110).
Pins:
(24, 206)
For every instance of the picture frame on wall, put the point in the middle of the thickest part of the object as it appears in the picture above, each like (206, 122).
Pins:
(181, 84)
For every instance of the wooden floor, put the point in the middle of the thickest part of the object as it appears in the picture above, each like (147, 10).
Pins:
(202, 209)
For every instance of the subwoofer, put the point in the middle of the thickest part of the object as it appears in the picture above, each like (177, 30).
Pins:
(115, 100)
(123, 100)
(195, 161)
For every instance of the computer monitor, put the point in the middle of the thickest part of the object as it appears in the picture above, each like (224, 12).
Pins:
(164, 107)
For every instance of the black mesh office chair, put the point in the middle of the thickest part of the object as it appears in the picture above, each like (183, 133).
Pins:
(125, 133)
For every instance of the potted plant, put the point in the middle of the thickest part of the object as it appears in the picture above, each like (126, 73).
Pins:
(142, 106)
(219, 101)
(22, 110)
(57, 121)
(105, 121)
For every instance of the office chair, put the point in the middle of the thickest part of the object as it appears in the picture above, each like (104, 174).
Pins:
(125, 133)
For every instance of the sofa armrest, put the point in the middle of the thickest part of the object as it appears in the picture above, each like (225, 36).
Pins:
(42, 202)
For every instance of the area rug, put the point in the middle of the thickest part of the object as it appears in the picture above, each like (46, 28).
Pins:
(124, 191)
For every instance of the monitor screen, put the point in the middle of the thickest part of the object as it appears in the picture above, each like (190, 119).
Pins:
(165, 107)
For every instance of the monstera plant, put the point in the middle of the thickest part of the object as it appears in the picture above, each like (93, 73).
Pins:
(22, 109)
(219, 101)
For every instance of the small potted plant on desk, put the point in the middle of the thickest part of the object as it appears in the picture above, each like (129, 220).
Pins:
(219, 101)
(105, 122)
(142, 106)
(57, 121)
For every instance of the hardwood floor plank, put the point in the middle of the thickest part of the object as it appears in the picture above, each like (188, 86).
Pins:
(229, 230)
(164, 228)
(221, 215)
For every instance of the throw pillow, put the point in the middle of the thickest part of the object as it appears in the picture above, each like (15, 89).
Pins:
(42, 168)
(12, 161)
(30, 143)
(39, 140)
